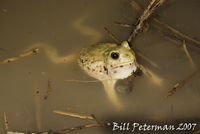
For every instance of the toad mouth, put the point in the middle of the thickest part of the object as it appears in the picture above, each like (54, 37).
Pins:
(124, 64)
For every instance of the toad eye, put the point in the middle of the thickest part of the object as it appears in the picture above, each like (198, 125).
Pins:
(114, 55)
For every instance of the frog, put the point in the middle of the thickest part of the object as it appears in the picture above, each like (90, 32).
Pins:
(108, 62)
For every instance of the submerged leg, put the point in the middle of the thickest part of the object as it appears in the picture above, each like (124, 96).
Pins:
(110, 90)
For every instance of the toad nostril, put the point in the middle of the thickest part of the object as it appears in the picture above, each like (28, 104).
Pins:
(127, 55)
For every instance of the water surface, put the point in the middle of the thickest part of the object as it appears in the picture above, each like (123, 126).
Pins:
(27, 24)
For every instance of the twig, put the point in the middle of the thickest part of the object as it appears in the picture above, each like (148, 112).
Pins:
(6, 122)
(123, 24)
(112, 36)
(25, 132)
(95, 118)
(168, 36)
(73, 115)
(136, 6)
(152, 63)
(187, 53)
(172, 37)
(34, 51)
(96, 124)
(144, 71)
(58, 132)
(178, 86)
(4, 10)
(83, 81)
(127, 17)
(177, 32)
(82, 127)
(144, 17)
(48, 90)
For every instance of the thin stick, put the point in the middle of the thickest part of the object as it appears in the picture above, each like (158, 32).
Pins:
(144, 71)
(96, 124)
(25, 132)
(95, 118)
(170, 37)
(164, 34)
(82, 127)
(34, 51)
(167, 35)
(187, 53)
(144, 17)
(112, 36)
(73, 115)
(83, 81)
(127, 17)
(61, 131)
(123, 24)
(152, 63)
(48, 90)
(136, 6)
(178, 86)
(177, 32)
(6, 122)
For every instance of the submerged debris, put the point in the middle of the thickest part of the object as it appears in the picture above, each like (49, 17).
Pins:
(73, 115)
(4, 10)
(128, 82)
(154, 4)
(34, 51)
(178, 86)
(112, 36)
(48, 90)
(6, 122)
(176, 36)
(92, 118)
(187, 53)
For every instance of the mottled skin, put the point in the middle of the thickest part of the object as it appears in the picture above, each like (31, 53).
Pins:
(108, 62)
(97, 62)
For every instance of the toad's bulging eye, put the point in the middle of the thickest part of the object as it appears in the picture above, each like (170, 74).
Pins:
(114, 55)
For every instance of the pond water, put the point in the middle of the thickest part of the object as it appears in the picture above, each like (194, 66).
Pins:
(60, 26)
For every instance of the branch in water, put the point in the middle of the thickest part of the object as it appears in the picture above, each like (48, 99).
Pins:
(48, 90)
(144, 17)
(112, 36)
(178, 86)
(34, 51)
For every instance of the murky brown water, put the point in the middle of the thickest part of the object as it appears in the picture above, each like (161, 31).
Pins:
(30, 23)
